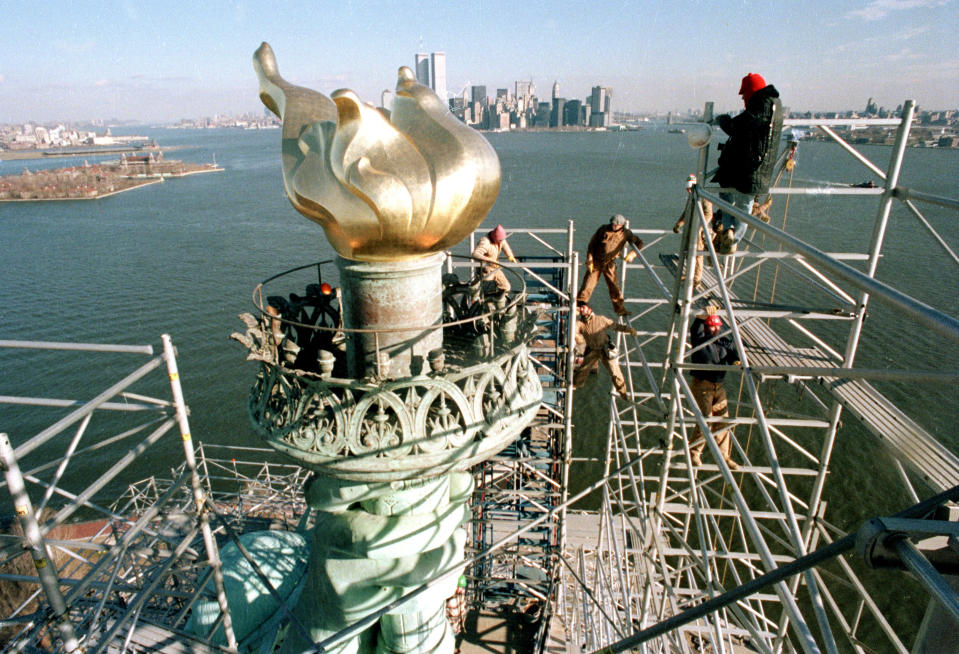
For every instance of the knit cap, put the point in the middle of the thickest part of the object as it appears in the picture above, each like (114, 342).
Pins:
(751, 83)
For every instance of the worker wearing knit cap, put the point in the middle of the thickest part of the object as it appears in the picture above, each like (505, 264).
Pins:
(749, 154)
(488, 250)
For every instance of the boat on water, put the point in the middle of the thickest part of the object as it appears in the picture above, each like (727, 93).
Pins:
(671, 557)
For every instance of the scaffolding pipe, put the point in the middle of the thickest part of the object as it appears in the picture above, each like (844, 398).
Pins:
(199, 495)
(775, 576)
(33, 542)
(849, 355)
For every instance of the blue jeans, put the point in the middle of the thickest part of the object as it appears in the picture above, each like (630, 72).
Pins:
(741, 201)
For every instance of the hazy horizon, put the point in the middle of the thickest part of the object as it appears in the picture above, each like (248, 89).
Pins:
(121, 60)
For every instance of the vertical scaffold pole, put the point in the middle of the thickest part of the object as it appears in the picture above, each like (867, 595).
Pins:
(199, 495)
(852, 341)
(35, 544)
(570, 353)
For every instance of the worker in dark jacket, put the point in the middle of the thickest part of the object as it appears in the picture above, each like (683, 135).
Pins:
(604, 248)
(749, 154)
(707, 385)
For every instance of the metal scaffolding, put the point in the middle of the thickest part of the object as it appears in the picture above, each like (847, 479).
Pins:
(688, 558)
(522, 486)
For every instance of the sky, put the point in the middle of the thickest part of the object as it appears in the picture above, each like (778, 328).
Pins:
(164, 61)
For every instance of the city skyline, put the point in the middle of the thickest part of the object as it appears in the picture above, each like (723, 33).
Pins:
(118, 59)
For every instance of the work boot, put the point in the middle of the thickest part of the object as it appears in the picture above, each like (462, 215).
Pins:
(623, 311)
(728, 242)
(733, 466)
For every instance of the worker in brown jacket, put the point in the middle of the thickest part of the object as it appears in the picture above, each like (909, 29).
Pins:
(488, 250)
(604, 248)
(591, 330)
(688, 210)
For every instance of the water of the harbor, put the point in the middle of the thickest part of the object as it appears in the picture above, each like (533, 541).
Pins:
(182, 257)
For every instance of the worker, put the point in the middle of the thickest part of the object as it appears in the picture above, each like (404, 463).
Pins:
(592, 330)
(749, 154)
(688, 210)
(604, 248)
(488, 250)
(707, 385)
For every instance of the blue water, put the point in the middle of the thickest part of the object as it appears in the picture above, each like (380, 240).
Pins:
(182, 257)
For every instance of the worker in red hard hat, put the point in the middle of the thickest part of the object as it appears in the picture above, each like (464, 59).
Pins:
(488, 250)
(749, 154)
(707, 385)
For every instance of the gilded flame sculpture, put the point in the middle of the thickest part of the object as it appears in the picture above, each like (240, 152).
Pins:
(384, 185)
(391, 442)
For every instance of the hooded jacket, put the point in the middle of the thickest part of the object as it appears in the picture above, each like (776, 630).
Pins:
(720, 351)
(748, 156)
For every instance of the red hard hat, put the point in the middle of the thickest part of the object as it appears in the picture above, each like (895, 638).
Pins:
(714, 321)
(325, 288)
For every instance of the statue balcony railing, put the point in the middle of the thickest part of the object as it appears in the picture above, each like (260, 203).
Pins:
(458, 405)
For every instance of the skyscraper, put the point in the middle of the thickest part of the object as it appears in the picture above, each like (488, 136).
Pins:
(600, 104)
(423, 68)
(524, 90)
(438, 74)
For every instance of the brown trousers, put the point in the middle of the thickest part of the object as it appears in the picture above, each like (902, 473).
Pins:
(497, 275)
(589, 285)
(711, 400)
(591, 359)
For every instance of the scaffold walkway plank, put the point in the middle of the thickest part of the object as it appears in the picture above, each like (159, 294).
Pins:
(151, 638)
(909, 442)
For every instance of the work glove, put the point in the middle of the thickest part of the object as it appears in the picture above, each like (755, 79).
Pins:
(590, 267)
(511, 258)
(722, 121)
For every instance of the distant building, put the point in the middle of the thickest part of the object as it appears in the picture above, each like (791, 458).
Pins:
(555, 90)
(438, 74)
(600, 104)
(479, 94)
(525, 90)
(556, 115)
(573, 113)
(542, 114)
(423, 69)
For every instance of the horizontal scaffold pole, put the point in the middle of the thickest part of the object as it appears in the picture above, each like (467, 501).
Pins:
(932, 318)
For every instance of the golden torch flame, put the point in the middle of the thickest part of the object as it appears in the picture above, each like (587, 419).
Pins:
(385, 186)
